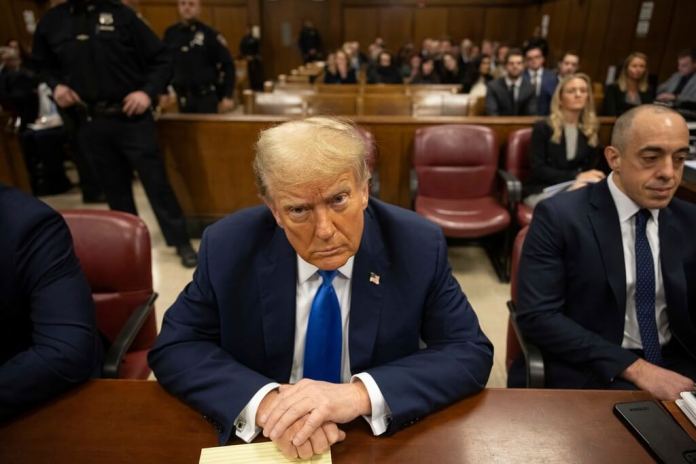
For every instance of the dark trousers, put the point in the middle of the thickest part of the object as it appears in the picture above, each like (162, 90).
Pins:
(199, 103)
(43, 155)
(118, 145)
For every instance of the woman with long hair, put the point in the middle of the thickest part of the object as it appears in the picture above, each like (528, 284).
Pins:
(631, 88)
(565, 146)
(342, 72)
(478, 75)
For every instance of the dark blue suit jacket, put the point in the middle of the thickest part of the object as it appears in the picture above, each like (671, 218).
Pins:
(549, 80)
(48, 339)
(231, 331)
(572, 284)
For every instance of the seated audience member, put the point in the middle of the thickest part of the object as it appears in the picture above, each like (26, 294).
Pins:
(48, 338)
(305, 313)
(498, 63)
(464, 56)
(607, 278)
(511, 95)
(477, 77)
(539, 77)
(414, 67)
(451, 74)
(343, 73)
(565, 146)
(568, 65)
(426, 74)
(384, 72)
(680, 88)
(631, 88)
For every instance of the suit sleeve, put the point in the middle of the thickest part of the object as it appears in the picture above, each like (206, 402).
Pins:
(491, 102)
(65, 348)
(456, 361)
(189, 361)
(542, 297)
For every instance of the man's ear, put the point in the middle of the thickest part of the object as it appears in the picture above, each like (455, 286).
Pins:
(274, 211)
(365, 193)
(613, 157)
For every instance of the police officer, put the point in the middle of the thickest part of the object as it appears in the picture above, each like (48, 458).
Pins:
(204, 72)
(99, 57)
(250, 50)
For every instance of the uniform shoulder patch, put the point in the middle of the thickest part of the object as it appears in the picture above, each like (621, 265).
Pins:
(222, 40)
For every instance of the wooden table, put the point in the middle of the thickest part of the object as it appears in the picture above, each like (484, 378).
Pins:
(120, 421)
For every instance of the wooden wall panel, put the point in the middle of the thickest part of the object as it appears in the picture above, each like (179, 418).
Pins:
(502, 24)
(396, 26)
(361, 24)
(598, 19)
(159, 16)
(466, 22)
(621, 31)
(429, 22)
(230, 21)
(8, 23)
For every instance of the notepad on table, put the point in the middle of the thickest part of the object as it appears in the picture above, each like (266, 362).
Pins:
(253, 453)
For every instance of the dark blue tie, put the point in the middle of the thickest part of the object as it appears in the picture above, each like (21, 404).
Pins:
(645, 291)
(322, 360)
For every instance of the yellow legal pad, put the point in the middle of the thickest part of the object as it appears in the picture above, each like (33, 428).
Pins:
(253, 453)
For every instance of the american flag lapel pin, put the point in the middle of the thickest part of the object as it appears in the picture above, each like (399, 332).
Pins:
(374, 278)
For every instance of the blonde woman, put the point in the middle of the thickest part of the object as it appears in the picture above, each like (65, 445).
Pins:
(565, 146)
(631, 88)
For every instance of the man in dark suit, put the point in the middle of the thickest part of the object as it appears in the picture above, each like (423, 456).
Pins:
(540, 78)
(511, 94)
(569, 64)
(48, 339)
(607, 283)
(321, 306)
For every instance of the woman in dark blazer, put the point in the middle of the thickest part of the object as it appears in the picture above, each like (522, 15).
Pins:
(631, 88)
(565, 146)
(343, 74)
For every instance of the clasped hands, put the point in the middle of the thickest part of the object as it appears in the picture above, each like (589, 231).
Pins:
(301, 418)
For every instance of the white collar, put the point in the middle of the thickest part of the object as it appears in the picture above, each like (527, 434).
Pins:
(305, 270)
(625, 206)
(510, 82)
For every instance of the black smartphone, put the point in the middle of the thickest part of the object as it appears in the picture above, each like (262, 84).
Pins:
(667, 441)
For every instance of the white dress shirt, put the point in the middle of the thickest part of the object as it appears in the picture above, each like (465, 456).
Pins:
(308, 283)
(516, 89)
(535, 79)
(627, 210)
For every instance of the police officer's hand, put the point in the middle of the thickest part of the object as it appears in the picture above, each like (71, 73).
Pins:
(64, 96)
(136, 103)
(225, 105)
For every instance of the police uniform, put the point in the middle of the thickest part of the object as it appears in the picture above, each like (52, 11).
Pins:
(203, 68)
(250, 49)
(101, 50)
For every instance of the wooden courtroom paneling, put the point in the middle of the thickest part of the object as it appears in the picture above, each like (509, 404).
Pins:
(361, 24)
(159, 15)
(502, 24)
(466, 22)
(209, 157)
(395, 26)
(429, 23)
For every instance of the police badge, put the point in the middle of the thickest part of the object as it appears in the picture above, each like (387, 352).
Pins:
(198, 39)
(106, 22)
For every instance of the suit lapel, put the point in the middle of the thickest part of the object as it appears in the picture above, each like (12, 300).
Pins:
(607, 232)
(278, 287)
(370, 277)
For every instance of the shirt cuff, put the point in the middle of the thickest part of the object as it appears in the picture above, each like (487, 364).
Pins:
(381, 414)
(245, 423)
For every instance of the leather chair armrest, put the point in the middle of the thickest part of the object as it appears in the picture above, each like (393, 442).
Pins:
(413, 187)
(125, 338)
(533, 360)
(512, 189)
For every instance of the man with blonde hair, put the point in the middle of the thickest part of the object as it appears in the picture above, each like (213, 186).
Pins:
(321, 306)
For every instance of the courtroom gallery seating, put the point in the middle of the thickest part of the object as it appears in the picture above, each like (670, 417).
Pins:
(517, 164)
(460, 187)
(516, 343)
(114, 251)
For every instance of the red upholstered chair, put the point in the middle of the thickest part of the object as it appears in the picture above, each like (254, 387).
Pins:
(517, 163)
(460, 188)
(114, 251)
(371, 159)
(516, 343)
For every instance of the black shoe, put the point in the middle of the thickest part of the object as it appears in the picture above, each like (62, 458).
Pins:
(189, 258)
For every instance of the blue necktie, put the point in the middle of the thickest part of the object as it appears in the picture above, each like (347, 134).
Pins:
(322, 360)
(645, 291)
